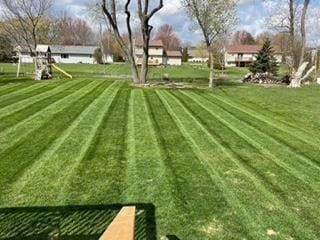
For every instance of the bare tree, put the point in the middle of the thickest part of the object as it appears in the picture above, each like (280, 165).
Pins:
(243, 37)
(105, 36)
(22, 20)
(292, 20)
(297, 76)
(74, 31)
(262, 37)
(168, 37)
(214, 18)
(145, 15)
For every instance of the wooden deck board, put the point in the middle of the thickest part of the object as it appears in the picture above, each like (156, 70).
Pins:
(122, 227)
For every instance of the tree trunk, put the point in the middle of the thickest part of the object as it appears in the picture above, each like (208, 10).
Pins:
(297, 78)
(144, 69)
(144, 64)
(211, 77)
(104, 58)
(134, 70)
(303, 31)
(294, 61)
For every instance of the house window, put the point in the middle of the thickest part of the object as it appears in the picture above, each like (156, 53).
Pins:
(64, 55)
(90, 56)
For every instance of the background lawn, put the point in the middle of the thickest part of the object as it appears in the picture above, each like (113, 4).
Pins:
(189, 73)
(235, 162)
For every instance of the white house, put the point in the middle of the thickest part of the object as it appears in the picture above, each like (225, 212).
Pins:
(244, 55)
(198, 55)
(174, 58)
(66, 54)
(73, 54)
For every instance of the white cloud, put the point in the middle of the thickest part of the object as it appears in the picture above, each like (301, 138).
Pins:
(253, 16)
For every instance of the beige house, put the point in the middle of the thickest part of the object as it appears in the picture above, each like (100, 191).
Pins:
(244, 55)
(156, 53)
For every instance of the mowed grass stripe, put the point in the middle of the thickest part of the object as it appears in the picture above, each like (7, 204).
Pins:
(12, 135)
(243, 220)
(21, 89)
(11, 88)
(289, 188)
(278, 116)
(259, 146)
(29, 111)
(15, 98)
(105, 157)
(146, 174)
(286, 192)
(139, 135)
(294, 132)
(267, 197)
(307, 152)
(12, 108)
(187, 176)
(31, 146)
(66, 152)
(293, 157)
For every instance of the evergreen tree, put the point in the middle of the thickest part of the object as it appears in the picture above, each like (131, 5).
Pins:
(265, 61)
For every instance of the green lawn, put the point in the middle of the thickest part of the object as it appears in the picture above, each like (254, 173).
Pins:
(236, 162)
(190, 73)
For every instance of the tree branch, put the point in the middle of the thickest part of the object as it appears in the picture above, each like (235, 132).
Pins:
(155, 10)
(112, 19)
(308, 73)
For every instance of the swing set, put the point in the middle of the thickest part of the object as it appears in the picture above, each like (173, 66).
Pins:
(43, 64)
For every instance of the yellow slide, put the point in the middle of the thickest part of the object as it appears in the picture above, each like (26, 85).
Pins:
(62, 71)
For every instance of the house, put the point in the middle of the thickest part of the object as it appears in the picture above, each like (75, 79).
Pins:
(156, 53)
(73, 54)
(196, 55)
(174, 58)
(244, 55)
(65, 54)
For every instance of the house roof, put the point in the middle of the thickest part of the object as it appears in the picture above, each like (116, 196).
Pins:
(243, 48)
(174, 54)
(153, 43)
(59, 49)
(249, 49)
(43, 48)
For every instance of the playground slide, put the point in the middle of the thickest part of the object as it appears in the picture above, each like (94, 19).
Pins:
(62, 71)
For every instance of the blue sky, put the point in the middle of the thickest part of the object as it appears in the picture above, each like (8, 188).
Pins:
(252, 15)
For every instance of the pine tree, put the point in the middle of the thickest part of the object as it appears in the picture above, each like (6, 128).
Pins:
(265, 62)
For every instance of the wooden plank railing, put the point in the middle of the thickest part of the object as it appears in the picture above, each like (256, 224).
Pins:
(122, 227)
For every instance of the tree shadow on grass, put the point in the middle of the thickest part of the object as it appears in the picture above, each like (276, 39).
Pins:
(172, 237)
(71, 222)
